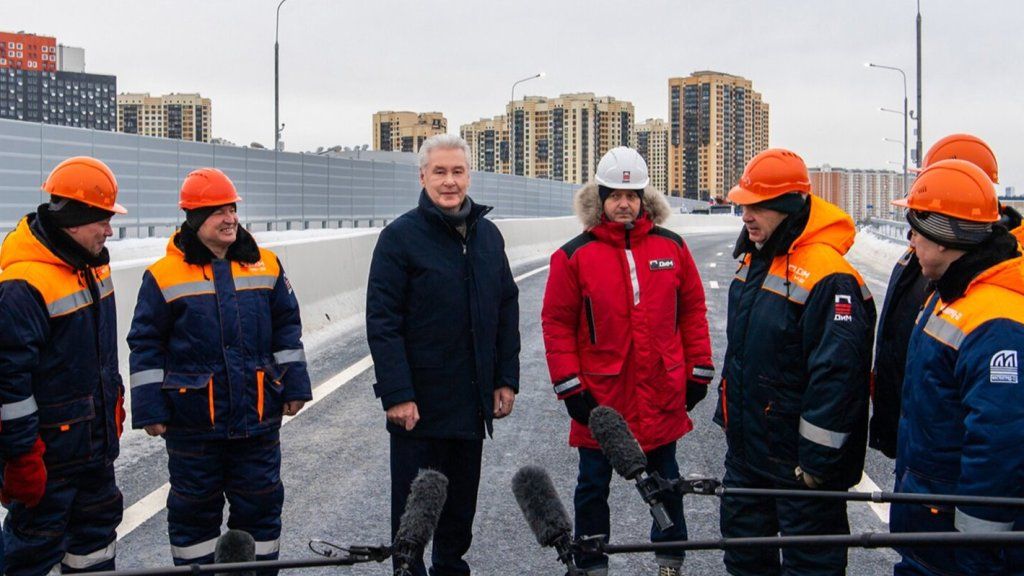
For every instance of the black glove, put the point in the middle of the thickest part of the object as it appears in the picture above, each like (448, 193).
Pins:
(579, 406)
(695, 392)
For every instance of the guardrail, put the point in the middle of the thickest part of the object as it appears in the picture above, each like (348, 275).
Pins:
(895, 230)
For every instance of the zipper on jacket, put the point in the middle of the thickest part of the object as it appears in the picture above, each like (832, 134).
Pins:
(634, 281)
(591, 326)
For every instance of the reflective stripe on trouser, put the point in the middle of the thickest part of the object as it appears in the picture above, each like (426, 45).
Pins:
(592, 515)
(81, 509)
(245, 471)
(747, 517)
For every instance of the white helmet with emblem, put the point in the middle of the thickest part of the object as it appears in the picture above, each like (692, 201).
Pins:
(622, 168)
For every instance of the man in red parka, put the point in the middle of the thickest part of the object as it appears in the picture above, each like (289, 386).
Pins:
(625, 326)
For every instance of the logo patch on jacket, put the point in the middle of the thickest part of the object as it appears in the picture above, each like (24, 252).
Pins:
(844, 308)
(663, 264)
(1003, 367)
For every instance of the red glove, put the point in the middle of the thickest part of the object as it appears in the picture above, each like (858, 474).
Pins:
(25, 477)
(120, 415)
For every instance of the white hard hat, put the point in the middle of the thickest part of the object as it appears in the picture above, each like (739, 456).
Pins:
(622, 168)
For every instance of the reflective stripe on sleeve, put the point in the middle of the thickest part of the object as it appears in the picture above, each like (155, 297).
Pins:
(964, 522)
(820, 435)
(83, 561)
(699, 372)
(19, 409)
(143, 377)
(286, 356)
(566, 386)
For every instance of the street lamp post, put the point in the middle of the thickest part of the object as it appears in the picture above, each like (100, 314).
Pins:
(277, 122)
(904, 75)
(906, 144)
(512, 125)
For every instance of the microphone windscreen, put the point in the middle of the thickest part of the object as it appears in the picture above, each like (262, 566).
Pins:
(422, 509)
(235, 546)
(540, 504)
(617, 442)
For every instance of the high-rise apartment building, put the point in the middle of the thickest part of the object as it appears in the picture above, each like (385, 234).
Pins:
(488, 140)
(35, 88)
(405, 131)
(860, 193)
(177, 116)
(717, 123)
(22, 51)
(650, 139)
(563, 138)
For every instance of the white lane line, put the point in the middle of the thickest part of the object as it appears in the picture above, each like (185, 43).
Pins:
(137, 514)
(713, 265)
(719, 254)
(867, 486)
(151, 504)
(526, 275)
(714, 284)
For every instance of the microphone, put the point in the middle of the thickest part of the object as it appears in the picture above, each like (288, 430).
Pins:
(419, 520)
(544, 512)
(624, 453)
(235, 546)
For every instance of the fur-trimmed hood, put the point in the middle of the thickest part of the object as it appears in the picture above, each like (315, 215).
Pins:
(588, 207)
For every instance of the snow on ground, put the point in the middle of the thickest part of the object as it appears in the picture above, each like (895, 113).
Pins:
(874, 256)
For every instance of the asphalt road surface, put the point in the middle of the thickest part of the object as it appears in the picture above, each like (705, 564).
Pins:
(335, 466)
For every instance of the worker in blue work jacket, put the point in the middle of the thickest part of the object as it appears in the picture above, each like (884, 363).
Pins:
(61, 397)
(962, 423)
(906, 294)
(216, 361)
(794, 390)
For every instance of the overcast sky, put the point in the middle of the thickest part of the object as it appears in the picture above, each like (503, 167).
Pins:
(343, 60)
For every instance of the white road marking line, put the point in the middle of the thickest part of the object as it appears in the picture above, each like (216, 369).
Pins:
(713, 265)
(526, 275)
(867, 486)
(714, 284)
(151, 504)
(719, 254)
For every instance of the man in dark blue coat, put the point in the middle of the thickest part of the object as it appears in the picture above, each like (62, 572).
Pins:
(442, 321)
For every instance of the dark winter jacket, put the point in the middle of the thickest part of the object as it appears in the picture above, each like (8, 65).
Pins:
(904, 298)
(442, 320)
(58, 350)
(962, 424)
(794, 389)
(216, 346)
(624, 319)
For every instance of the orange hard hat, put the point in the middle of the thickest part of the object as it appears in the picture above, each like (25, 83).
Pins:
(86, 180)
(964, 147)
(770, 174)
(955, 188)
(207, 187)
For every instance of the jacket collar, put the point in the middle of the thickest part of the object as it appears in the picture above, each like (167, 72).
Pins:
(186, 245)
(996, 261)
(824, 223)
(615, 232)
(37, 239)
(434, 214)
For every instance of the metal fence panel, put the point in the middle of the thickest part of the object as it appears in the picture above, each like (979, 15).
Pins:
(278, 189)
